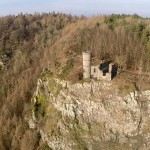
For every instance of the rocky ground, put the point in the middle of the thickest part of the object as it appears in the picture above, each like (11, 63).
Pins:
(92, 115)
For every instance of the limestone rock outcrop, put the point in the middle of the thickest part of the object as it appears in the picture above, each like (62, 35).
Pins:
(91, 115)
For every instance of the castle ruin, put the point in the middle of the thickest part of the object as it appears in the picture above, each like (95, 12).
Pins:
(102, 71)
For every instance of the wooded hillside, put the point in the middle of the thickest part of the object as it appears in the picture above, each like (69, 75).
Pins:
(32, 44)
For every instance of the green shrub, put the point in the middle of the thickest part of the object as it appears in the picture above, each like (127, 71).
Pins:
(40, 106)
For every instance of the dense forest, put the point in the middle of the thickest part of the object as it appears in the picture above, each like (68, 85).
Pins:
(33, 44)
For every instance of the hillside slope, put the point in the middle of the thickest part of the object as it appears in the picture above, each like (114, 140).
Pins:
(34, 45)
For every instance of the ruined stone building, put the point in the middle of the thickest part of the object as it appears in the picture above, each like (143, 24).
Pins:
(104, 70)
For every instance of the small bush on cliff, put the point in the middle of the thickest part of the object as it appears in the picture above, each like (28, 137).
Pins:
(40, 106)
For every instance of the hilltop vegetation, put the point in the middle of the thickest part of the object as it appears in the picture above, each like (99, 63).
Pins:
(24, 41)
(32, 44)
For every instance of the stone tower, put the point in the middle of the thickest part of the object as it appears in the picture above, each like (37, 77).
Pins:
(86, 64)
(110, 67)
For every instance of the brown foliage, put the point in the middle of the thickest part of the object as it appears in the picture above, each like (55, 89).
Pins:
(23, 44)
(31, 43)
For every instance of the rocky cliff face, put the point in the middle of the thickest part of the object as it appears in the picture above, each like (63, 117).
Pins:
(91, 115)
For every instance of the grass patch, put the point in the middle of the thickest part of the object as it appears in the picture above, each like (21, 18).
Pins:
(78, 132)
(54, 116)
(54, 87)
(67, 68)
(46, 74)
(126, 88)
